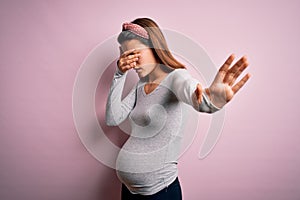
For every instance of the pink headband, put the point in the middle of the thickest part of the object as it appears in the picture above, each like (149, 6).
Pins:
(136, 29)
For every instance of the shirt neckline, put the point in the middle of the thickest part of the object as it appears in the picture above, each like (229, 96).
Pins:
(153, 91)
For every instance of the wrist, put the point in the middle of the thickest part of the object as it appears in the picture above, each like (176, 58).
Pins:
(119, 69)
(214, 102)
(207, 93)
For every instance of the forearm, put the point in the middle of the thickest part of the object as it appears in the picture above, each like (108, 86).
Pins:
(117, 109)
(184, 86)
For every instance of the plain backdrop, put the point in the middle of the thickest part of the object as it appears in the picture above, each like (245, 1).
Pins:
(43, 44)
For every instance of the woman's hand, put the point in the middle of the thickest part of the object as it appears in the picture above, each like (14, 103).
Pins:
(128, 59)
(222, 89)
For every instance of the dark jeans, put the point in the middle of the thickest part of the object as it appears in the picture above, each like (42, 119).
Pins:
(172, 192)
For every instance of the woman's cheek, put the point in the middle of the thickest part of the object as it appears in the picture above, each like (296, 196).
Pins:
(140, 60)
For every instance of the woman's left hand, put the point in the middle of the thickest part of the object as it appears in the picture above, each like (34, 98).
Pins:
(222, 89)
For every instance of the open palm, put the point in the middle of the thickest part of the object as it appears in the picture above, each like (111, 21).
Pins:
(223, 88)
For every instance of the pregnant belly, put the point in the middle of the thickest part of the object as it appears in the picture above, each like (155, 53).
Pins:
(149, 181)
(139, 161)
(148, 163)
(140, 155)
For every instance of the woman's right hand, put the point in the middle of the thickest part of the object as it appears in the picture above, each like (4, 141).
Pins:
(128, 59)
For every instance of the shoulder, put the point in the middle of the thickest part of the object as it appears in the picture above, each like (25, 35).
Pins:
(180, 73)
(177, 77)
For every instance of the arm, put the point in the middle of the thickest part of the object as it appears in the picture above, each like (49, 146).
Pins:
(117, 110)
(184, 87)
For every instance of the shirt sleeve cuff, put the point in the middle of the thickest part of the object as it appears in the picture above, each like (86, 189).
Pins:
(119, 72)
(213, 108)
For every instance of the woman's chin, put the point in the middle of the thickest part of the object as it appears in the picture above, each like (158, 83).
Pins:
(140, 74)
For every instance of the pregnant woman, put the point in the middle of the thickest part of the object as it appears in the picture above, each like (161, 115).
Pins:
(147, 162)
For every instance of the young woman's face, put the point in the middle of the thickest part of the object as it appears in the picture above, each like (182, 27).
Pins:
(147, 62)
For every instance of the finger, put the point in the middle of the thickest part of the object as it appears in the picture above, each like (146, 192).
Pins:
(239, 63)
(124, 61)
(223, 69)
(126, 53)
(227, 63)
(241, 83)
(133, 64)
(128, 67)
(198, 93)
(129, 61)
(237, 74)
(131, 56)
(234, 69)
(131, 51)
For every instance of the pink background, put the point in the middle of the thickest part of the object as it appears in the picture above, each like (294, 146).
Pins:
(43, 44)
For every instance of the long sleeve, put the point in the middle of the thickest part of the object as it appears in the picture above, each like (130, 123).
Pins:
(117, 110)
(184, 86)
